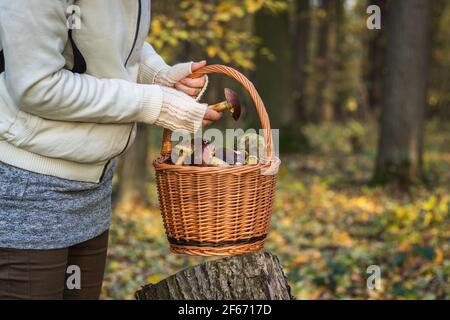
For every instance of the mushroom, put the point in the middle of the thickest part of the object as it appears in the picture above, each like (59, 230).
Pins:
(183, 152)
(209, 150)
(209, 156)
(251, 144)
(231, 157)
(232, 104)
(217, 162)
(200, 148)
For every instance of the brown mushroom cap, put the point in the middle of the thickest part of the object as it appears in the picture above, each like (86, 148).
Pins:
(234, 102)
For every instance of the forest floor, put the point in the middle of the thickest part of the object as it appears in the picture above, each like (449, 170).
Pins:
(328, 226)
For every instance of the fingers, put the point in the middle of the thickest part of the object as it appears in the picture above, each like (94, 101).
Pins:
(194, 83)
(193, 92)
(206, 123)
(212, 116)
(197, 65)
(191, 87)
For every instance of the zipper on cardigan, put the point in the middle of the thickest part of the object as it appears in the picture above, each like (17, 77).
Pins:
(136, 35)
(138, 24)
(128, 141)
(79, 63)
(2, 62)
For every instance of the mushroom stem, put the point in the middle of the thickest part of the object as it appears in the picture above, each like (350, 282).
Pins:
(185, 152)
(221, 106)
(181, 159)
(232, 104)
(217, 162)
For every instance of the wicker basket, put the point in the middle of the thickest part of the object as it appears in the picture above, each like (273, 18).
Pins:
(218, 211)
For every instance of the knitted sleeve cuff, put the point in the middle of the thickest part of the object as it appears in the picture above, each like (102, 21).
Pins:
(151, 63)
(169, 76)
(179, 112)
(152, 98)
(148, 70)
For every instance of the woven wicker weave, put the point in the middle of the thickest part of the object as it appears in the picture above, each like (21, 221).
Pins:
(217, 211)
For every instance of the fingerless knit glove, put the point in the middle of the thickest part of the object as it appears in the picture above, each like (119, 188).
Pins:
(169, 76)
(179, 112)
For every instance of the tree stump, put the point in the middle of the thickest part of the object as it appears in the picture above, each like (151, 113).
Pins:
(253, 276)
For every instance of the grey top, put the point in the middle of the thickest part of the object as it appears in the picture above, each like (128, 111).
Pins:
(44, 212)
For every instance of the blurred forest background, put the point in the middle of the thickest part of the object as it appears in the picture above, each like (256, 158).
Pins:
(365, 142)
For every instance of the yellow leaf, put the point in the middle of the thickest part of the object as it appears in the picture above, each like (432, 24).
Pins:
(154, 278)
(430, 203)
(438, 256)
(300, 259)
(211, 51)
(405, 245)
(114, 265)
(400, 213)
(428, 217)
(342, 239)
(351, 104)
(156, 27)
(253, 5)
(412, 215)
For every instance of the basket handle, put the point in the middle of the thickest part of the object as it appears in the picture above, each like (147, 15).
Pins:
(248, 85)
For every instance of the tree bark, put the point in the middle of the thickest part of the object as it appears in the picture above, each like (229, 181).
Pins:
(302, 25)
(339, 94)
(405, 92)
(440, 80)
(376, 65)
(273, 75)
(253, 276)
(133, 173)
(325, 59)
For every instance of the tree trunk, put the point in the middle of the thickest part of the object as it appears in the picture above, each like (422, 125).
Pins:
(133, 173)
(405, 92)
(376, 49)
(439, 69)
(273, 75)
(302, 27)
(339, 94)
(326, 45)
(253, 276)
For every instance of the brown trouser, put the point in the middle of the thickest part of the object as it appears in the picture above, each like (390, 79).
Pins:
(45, 274)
